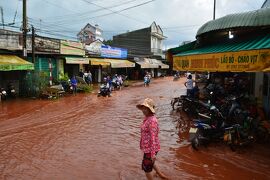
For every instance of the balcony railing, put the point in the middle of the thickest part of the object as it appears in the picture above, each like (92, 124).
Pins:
(156, 51)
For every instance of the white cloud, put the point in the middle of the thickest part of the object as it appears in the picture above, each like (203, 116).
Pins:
(180, 19)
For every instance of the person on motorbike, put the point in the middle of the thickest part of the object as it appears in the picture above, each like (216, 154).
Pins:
(120, 80)
(116, 82)
(107, 84)
(146, 80)
(74, 84)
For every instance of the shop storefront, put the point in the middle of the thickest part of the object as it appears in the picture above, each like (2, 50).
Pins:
(73, 54)
(12, 71)
(144, 65)
(247, 56)
(251, 56)
(109, 66)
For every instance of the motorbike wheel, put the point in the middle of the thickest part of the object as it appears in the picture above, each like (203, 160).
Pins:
(233, 145)
(185, 107)
(176, 104)
(195, 143)
(3, 97)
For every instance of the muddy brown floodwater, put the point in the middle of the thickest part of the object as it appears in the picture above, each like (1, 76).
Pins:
(90, 137)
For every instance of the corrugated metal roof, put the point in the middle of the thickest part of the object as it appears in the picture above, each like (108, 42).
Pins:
(260, 17)
(262, 42)
(182, 48)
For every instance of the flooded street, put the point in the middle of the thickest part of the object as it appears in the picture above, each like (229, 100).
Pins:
(90, 137)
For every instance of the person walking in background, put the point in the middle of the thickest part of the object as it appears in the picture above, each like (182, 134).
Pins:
(149, 142)
(81, 74)
(90, 78)
(74, 84)
(189, 85)
(87, 77)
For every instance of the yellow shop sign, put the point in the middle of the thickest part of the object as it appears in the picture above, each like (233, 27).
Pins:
(242, 61)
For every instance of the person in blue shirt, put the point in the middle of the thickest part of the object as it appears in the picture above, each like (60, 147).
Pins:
(74, 84)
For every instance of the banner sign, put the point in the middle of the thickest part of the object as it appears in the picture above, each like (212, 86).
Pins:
(242, 61)
(44, 44)
(72, 48)
(113, 52)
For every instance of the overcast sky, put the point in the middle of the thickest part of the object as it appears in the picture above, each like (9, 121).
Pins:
(179, 19)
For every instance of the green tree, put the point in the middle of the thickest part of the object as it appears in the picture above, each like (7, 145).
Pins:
(108, 42)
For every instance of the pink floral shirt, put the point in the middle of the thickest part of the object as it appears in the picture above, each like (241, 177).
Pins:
(149, 136)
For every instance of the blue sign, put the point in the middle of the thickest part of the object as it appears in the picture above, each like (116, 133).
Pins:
(113, 52)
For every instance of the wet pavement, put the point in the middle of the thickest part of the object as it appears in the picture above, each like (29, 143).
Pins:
(90, 137)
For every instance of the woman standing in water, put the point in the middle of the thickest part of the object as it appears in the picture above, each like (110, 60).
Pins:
(149, 142)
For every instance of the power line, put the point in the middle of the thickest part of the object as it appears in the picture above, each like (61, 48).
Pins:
(57, 5)
(90, 12)
(61, 27)
(118, 12)
(113, 12)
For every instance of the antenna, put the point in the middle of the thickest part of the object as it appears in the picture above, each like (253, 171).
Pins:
(15, 15)
(2, 15)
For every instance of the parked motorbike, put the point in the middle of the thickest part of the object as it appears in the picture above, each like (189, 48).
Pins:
(11, 92)
(104, 91)
(176, 77)
(177, 103)
(3, 94)
(235, 136)
(67, 86)
(263, 132)
(208, 128)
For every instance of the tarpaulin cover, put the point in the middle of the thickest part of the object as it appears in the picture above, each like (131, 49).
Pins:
(12, 62)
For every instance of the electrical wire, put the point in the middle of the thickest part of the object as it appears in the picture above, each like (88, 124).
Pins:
(67, 21)
(82, 14)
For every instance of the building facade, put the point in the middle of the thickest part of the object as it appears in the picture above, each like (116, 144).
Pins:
(89, 34)
(143, 42)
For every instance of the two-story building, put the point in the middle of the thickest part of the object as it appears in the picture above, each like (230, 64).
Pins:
(89, 34)
(143, 42)
(145, 47)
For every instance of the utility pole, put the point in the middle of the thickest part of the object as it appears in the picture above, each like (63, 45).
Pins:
(214, 14)
(24, 29)
(33, 44)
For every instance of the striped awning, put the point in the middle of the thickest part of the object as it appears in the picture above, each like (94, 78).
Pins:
(147, 63)
(161, 65)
